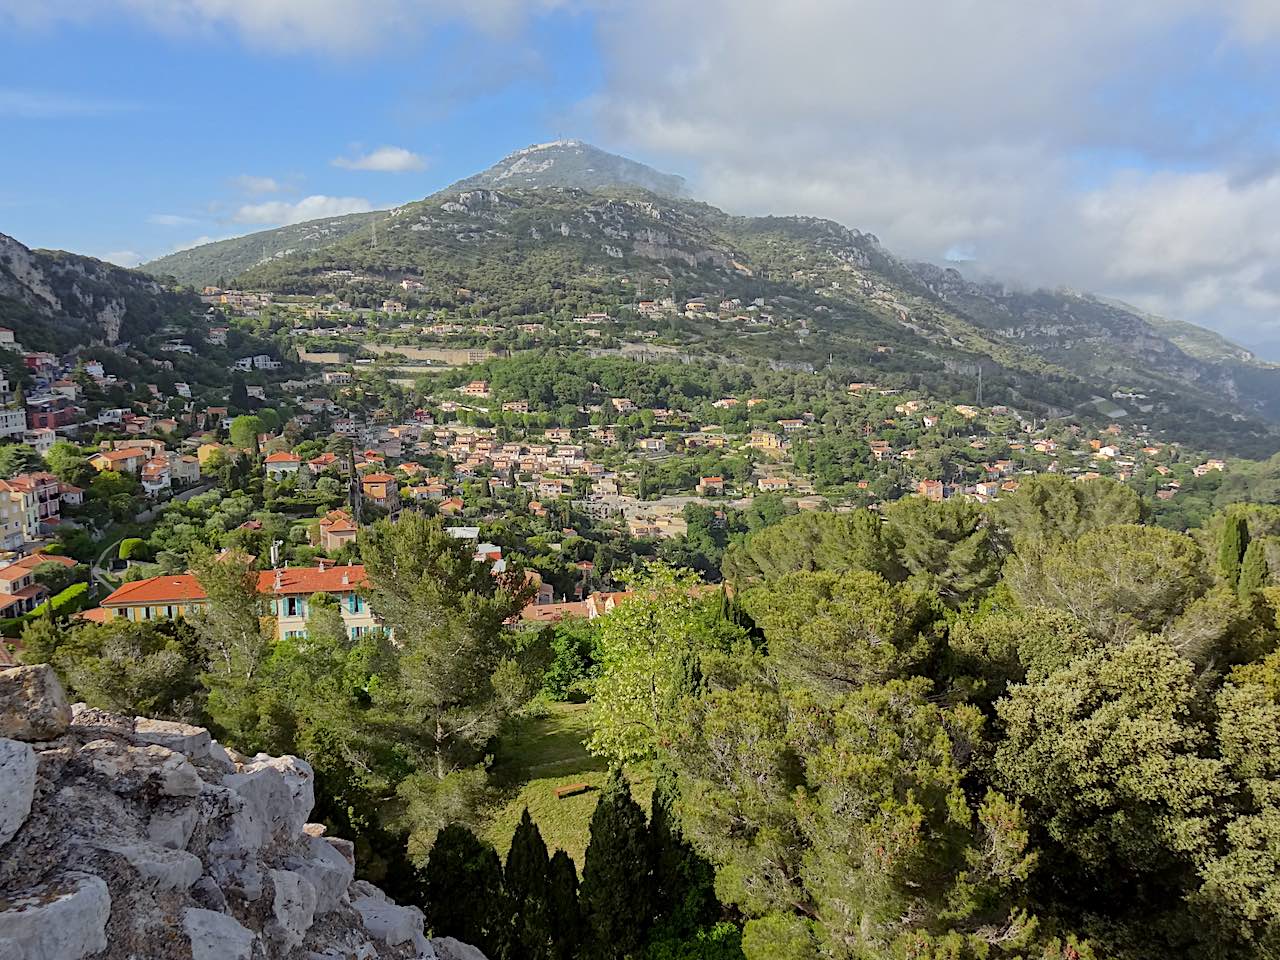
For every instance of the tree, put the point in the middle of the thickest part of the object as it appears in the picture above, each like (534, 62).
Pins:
(528, 887)
(945, 546)
(683, 882)
(1232, 547)
(235, 633)
(562, 885)
(456, 670)
(1049, 507)
(69, 465)
(16, 458)
(616, 891)
(1254, 571)
(1116, 581)
(834, 633)
(646, 651)
(244, 432)
(462, 892)
(239, 396)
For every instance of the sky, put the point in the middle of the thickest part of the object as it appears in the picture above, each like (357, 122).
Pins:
(1131, 150)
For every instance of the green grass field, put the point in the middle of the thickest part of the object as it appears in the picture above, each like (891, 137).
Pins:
(540, 754)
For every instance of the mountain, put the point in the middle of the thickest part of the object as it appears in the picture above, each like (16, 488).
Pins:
(561, 163)
(54, 300)
(221, 261)
(561, 229)
(570, 163)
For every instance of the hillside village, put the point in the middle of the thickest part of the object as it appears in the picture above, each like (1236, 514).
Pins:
(333, 420)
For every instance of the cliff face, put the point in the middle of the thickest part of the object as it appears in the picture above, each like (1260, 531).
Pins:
(133, 838)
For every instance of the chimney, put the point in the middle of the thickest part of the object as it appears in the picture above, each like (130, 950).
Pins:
(279, 580)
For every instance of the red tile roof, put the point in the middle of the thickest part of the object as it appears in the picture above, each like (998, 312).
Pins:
(284, 456)
(177, 588)
(308, 580)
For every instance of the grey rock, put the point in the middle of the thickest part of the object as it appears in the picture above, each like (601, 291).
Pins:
(344, 847)
(208, 894)
(33, 705)
(17, 786)
(173, 829)
(183, 738)
(390, 922)
(327, 870)
(64, 919)
(87, 721)
(216, 936)
(299, 779)
(220, 758)
(168, 869)
(293, 907)
(447, 948)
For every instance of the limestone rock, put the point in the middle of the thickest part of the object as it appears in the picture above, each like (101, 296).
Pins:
(327, 870)
(293, 906)
(17, 786)
(216, 936)
(447, 948)
(390, 922)
(62, 920)
(90, 722)
(33, 705)
(168, 869)
(173, 829)
(192, 742)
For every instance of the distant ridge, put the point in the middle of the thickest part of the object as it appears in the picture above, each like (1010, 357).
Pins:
(570, 163)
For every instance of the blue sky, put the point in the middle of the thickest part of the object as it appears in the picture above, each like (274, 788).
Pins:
(125, 142)
(1129, 149)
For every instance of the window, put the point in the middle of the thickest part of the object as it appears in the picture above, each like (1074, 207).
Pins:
(293, 606)
(358, 632)
(355, 603)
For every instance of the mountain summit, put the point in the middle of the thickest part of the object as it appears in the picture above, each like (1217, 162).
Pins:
(570, 163)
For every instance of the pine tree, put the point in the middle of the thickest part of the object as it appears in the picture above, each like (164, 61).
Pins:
(528, 887)
(566, 915)
(1234, 543)
(462, 893)
(1254, 570)
(616, 892)
(683, 882)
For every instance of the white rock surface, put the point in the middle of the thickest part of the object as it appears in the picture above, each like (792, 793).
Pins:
(64, 919)
(17, 786)
(128, 839)
(216, 936)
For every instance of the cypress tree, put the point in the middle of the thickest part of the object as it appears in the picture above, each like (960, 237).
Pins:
(1235, 541)
(683, 882)
(1254, 570)
(616, 893)
(528, 887)
(566, 917)
(462, 893)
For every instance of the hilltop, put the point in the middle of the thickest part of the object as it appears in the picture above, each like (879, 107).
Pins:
(570, 163)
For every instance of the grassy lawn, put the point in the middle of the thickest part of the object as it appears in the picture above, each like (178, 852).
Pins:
(540, 754)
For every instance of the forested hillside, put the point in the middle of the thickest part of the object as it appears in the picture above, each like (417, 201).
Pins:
(1038, 729)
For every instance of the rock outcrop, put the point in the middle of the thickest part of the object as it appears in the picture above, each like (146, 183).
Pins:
(133, 838)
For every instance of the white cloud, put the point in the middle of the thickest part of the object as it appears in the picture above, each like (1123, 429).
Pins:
(342, 26)
(247, 183)
(170, 220)
(123, 258)
(383, 160)
(281, 212)
(1072, 144)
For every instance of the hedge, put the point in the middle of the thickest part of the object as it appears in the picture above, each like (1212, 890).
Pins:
(67, 602)
(132, 548)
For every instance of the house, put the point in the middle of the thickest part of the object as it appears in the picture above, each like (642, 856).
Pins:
(71, 495)
(19, 591)
(282, 464)
(336, 530)
(791, 426)
(13, 422)
(19, 515)
(711, 486)
(623, 405)
(773, 484)
(287, 590)
(651, 445)
(126, 460)
(47, 490)
(476, 388)
(516, 406)
(40, 440)
(324, 462)
(765, 441)
(382, 490)
(931, 490)
(336, 378)
(156, 478)
(50, 413)
(184, 468)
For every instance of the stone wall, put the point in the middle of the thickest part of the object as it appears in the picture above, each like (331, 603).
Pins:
(126, 838)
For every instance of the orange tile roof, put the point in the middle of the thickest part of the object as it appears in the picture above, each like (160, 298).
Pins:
(308, 580)
(284, 456)
(177, 588)
(379, 478)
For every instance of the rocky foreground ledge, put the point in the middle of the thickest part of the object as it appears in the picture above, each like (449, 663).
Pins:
(125, 837)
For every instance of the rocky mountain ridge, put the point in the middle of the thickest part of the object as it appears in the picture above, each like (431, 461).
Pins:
(53, 299)
(126, 838)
